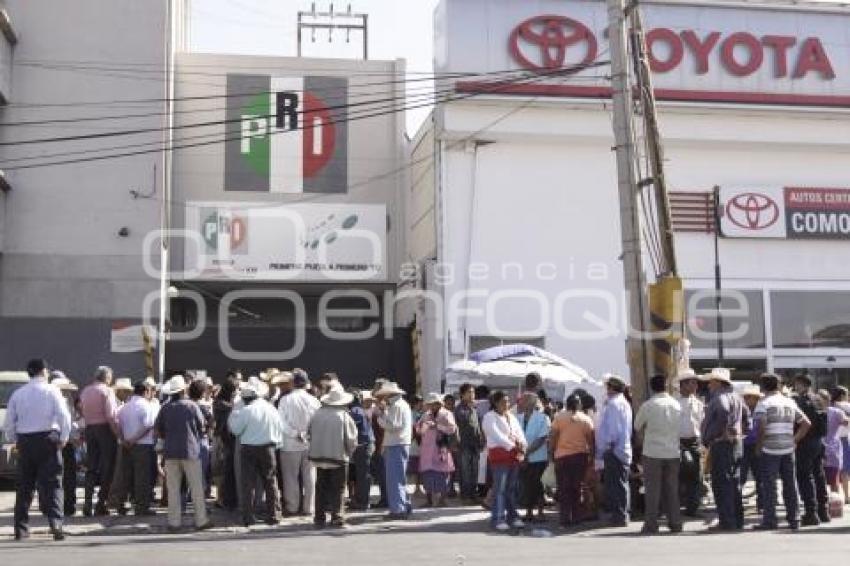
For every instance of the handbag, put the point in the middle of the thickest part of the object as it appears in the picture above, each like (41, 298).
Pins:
(548, 479)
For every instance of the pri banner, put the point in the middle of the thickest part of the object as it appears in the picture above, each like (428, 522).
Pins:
(294, 242)
(785, 212)
(286, 134)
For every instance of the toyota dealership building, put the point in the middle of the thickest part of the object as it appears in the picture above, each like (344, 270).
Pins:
(514, 215)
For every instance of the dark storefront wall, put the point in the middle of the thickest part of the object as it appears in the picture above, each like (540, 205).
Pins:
(74, 345)
(357, 362)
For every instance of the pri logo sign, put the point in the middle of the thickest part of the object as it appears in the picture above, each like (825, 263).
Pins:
(222, 231)
(545, 43)
(752, 211)
(286, 134)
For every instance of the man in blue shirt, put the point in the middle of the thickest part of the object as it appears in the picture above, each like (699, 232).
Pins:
(614, 449)
(39, 423)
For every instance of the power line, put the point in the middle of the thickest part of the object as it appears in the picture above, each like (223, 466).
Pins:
(495, 89)
(137, 131)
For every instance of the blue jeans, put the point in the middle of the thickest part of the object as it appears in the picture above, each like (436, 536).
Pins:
(206, 463)
(505, 483)
(395, 461)
(615, 477)
(784, 467)
(726, 483)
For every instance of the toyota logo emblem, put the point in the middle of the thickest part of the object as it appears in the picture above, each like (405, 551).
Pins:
(542, 42)
(752, 211)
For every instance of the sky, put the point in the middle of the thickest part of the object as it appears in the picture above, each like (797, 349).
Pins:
(397, 29)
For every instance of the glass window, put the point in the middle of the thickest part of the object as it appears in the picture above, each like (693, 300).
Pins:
(810, 319)
(742, 315)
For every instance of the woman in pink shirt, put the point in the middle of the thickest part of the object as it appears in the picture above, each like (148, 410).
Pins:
(438, 432)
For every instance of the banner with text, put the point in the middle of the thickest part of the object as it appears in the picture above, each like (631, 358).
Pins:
(291, 242)
(785, 212)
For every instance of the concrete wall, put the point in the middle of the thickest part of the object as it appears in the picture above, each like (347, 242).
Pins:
(63, 260)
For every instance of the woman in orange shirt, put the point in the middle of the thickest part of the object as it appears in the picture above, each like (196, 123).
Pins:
(571, 447)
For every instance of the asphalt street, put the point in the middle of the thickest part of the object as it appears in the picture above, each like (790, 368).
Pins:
(456, 536)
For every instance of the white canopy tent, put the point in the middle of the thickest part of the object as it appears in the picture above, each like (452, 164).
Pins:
(505, 367)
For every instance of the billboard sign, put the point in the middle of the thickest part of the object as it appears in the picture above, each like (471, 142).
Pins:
(286, 242)
(286, 134)
(785, 212)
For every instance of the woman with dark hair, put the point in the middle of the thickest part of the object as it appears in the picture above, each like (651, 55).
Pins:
(225, 442)
(571, 445)
(506, 448)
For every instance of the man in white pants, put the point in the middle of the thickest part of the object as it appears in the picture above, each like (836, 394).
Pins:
(299, 476)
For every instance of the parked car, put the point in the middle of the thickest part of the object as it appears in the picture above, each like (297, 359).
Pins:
(9, 381)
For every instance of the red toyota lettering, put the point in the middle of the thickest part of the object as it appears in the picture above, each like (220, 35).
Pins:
(701, 49)
(675, 53)
(780, 45)
(813, 57)
(754, 50)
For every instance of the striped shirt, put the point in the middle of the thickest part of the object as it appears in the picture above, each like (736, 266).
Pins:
(778, 415)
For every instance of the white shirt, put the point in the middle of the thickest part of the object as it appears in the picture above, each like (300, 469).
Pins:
(296, 410)
(693, 412)
(502, 431)
(397, 421)
(844, 430)
(37, 407)
(257, 424)
(659, 418)
(135, 416)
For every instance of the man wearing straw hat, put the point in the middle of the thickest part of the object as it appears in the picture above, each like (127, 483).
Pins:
(722, 433)
(296, 410)
(260, 431)
(69, 452)
(395, 417)
(333, 440)
(180, 424)
(693, 413)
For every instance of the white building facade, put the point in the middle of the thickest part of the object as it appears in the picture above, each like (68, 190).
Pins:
(514, 214)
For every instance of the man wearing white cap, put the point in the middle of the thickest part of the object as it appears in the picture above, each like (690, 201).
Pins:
(614, 449)
(180, 424)
(722, 434)
(260, 431)
(333, 439)
(693, 413)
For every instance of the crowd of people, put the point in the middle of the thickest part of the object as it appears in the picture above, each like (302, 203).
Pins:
(280, 445)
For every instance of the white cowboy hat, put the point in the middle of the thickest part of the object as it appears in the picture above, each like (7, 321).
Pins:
(123, 384)
(752, 391)
(174, 385)
(254, 387)
(337, 398)
(685, 375)
(64, 384)
(151, 382)
(389, 389)
(366, 395)
(281, 377)
(434, 398)
(719, 374)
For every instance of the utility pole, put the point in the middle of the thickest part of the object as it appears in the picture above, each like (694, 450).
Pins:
(637, 348)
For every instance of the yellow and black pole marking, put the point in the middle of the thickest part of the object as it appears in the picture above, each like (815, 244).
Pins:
(146, 340)
(666, 305)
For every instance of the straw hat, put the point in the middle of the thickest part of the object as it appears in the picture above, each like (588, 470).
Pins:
(434, 398)
(752, 391)
(151, 382)
(685, 375)
(337, 398)
(123, 384)
(254, 388)
(281, 377)
(719, 374)
(174, 385)
(63, 383)
(389, 389)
